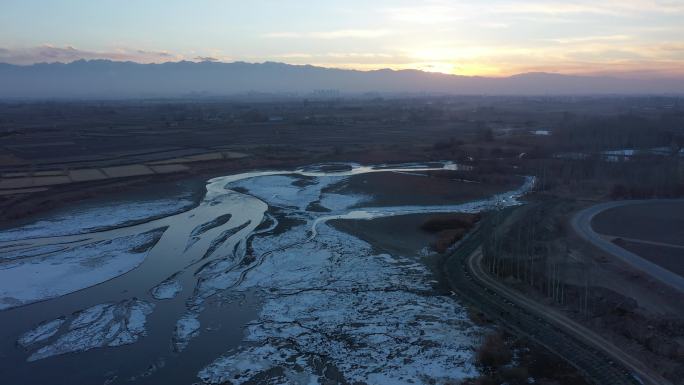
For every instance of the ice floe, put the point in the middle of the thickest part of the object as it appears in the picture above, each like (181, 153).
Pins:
(187, 328)
(167, 289)
(41, 333)
(108, 324)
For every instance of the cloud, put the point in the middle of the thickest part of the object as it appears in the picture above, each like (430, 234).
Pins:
(337, 34)
(434, 12)
(590, 39)
(431, 13)
(493, 25)
(66, 54)
(605, 7)
(206, 58)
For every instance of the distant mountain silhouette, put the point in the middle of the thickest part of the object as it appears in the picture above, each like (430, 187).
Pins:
(111, 79)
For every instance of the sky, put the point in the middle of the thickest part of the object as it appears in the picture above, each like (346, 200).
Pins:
(630, 38)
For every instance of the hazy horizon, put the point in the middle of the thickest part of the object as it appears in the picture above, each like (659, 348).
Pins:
(117, 79)
(629, 39)
(634, 76)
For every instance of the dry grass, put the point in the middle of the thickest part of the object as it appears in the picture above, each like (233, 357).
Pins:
(494, 353)
(450, 228)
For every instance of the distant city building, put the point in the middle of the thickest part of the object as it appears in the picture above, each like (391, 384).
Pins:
(330, 93)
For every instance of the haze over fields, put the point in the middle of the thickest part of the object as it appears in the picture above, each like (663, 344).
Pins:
(180, 48)
(110, 79)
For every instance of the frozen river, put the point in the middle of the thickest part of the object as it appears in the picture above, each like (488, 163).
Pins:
(250, 285)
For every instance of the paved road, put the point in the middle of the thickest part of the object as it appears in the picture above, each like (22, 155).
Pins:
(588, 355)
(581, 223)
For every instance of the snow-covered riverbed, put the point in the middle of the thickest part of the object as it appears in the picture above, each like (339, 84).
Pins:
(330, 306)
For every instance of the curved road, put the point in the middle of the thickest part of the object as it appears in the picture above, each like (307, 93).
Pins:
(581, 223)
(474, 262)
(589, 356)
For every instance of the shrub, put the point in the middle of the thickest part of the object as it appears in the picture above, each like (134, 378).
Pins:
(517, 375)
(494, 353)
(446, 238)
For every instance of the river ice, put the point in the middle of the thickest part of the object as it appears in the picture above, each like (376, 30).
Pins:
(39, 276)
(108, 324)
(331, 308)
(187, 328)
(96, 219)
(283, 191)
(331, 303)
(41, 333)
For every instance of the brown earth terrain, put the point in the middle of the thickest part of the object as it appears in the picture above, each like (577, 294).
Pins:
(399, 235)
(426, 188)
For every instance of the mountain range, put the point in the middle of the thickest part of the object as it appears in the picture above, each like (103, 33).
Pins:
(115, 79)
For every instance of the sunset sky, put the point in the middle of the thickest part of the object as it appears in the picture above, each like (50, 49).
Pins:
(635, 38)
